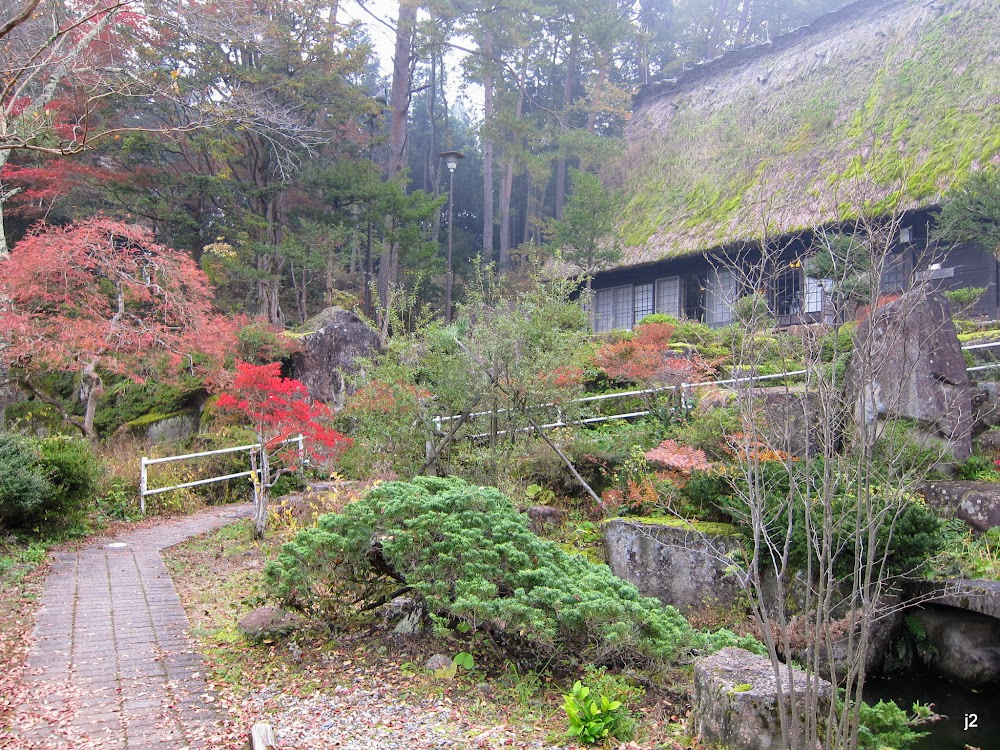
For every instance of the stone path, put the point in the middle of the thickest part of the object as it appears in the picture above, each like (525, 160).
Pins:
(111, 639)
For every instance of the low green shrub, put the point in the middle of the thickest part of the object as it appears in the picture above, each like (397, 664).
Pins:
(915, 528)
(73, 470)
(469, 555)
(45, 482)
(885, 725)
(977, 469)
(902, 452)
(965, 555)
(701, 495)
(707, 431)
(23, 485)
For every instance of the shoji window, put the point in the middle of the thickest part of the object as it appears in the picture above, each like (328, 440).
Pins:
(720, 297)
(642, 301)
(668, 296)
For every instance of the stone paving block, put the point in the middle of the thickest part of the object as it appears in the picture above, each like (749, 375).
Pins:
(111, 623)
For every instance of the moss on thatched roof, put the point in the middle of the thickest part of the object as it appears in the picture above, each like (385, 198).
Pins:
(878, 107)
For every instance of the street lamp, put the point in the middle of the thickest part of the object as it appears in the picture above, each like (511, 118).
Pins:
(380, 100)
(451, 161)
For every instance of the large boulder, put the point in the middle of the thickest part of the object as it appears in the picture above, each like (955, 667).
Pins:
(976, 503)
(791, 419)
(908, 364)
(683, 565)
(736, 699)
(332, 343)
(960, 645)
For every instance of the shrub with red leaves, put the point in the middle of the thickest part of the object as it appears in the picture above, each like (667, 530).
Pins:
(672, 455)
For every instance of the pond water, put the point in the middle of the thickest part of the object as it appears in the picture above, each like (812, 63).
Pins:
(973, 715)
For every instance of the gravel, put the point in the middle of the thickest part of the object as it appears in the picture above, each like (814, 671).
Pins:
(359, 718)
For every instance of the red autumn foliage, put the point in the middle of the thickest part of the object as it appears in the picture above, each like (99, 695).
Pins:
(279, 408)
(102, 296)
(39, 186)
(563, 377)
(672, 455)
(646, 358)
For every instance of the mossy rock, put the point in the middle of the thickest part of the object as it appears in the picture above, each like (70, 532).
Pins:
(164, 428)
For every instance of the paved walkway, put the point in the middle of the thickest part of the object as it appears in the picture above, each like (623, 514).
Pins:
(111, 649)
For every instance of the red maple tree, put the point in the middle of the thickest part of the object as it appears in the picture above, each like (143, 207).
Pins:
(102, 297)
(278, 410)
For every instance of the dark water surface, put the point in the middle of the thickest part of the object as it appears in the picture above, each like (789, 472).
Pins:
(960, 704)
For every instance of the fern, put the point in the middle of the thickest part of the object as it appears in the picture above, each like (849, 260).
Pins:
(915, 627)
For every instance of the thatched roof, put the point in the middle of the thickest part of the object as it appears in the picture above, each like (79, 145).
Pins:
(876, 107)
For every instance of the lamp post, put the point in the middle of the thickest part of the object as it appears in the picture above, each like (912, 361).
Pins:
(369, 263)
(451, 161)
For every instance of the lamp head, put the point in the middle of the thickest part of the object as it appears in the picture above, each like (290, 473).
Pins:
(451, 159)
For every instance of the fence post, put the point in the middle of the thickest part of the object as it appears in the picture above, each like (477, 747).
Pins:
(302, 449)
(143, 484)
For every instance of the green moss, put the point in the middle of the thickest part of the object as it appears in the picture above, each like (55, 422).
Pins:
(704, 527)
(975, 337)
(152, 418)
(743, 687)
(906, 119)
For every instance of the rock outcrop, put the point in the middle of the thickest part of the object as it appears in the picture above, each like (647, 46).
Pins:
(332, 343)
(908, 364)
(679, 565)
(736, 699)
(976, 503)
(960, 645)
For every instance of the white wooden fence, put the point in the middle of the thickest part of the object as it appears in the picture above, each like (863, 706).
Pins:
(684, 388)
(145, 463)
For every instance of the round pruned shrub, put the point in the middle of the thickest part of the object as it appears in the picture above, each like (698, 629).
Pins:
(23, 486)
(73, 470)
(469, 555)
(45, 482)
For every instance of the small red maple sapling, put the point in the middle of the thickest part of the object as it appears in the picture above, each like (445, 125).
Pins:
(278, 410)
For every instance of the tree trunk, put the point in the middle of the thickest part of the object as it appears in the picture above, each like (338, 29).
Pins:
(402, 86)
(488, 116)
(91, 389)
(260, 476)
(741, 32)
(507, 182)
(602, 77)
(5, 194)
(715, 35)
(568, 83)
(399, 106)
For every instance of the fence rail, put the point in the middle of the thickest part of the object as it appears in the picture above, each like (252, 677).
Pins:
(684, 388)
(145, 463)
